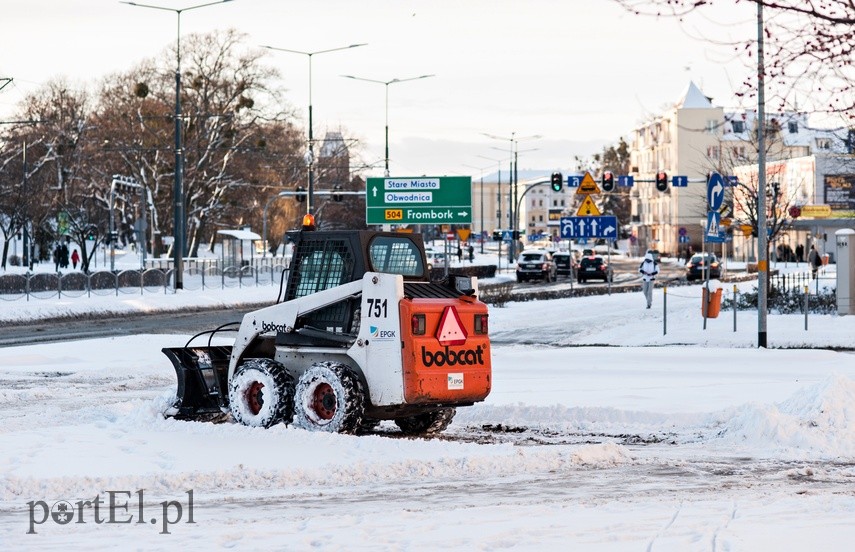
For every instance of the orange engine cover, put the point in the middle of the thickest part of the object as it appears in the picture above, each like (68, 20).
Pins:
(450, 363)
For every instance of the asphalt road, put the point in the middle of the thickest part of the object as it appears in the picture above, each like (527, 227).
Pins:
(190, 323)
(47, 331)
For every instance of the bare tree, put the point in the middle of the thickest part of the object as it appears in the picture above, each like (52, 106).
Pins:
(809, 48)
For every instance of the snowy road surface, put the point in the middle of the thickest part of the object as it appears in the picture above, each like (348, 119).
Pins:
(606, 430)
(602, 448)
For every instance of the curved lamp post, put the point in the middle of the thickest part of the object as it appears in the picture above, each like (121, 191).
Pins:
(178, 189)
(386, 84)
(310, 204)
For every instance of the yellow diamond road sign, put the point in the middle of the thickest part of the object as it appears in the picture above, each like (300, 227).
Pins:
(588, 186)
(588, 209)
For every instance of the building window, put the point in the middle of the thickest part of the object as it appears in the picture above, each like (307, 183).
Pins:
(793, 127)
(823, 143)
(713, 152)
(540, 203)
(738, 126)
(540, 218)
(712, 125)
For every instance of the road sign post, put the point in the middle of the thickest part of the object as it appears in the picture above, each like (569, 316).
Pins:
(419, 200)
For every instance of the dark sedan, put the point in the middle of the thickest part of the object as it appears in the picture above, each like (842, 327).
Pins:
(700, 264)
(594, 267)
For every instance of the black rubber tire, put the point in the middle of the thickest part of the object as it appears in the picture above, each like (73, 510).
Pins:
(429, 423)
(261, 393)
(329, 397)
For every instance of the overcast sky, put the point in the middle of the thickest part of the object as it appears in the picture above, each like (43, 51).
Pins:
(579, 73)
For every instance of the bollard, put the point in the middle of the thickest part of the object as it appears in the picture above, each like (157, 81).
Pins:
(664, 310)
(806, 305)
(734, 307)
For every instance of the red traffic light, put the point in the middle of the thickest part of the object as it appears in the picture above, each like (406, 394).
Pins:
(608, 181)
(661, 181)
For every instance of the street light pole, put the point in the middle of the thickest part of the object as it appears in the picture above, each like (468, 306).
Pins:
(512, 215)
(310, 204)
(482, 169)
(498, 189)
(178, 188)
(386, 84)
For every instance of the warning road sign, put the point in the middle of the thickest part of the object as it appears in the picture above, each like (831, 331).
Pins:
(588, 208)
(588, 186)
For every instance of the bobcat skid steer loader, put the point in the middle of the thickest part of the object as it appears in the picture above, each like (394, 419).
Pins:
(361, 336)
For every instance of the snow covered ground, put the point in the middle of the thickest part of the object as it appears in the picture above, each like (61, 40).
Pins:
(610, 427)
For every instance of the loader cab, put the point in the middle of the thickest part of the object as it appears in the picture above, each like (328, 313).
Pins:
(323, 260)
(326, 259)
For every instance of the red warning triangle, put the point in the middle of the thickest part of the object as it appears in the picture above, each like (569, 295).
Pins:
(451, 330)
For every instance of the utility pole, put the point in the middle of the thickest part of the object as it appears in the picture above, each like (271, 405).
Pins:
(762, 257)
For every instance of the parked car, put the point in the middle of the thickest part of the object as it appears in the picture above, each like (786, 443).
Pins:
(700, 263)
(565, 262)
(655, 253)
(535, 264)
(605, 250)
(434, 258)
(594, 267)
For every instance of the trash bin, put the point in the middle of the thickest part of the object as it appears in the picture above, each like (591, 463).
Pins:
(713, 303)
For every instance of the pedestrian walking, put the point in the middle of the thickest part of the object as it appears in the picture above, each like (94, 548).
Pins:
(63, 256)
(471, 253)
(648, 269)
(56, 254)
(75, 258)
(459, 254)
(800, 253)
(815, 261)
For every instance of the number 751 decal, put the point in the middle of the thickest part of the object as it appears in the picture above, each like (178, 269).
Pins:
(377, 308)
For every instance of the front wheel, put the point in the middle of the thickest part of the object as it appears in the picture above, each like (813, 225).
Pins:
(329, 397)
(261, 393)
(428, 423)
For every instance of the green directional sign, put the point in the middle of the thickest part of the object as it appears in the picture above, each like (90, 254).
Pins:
(419, 200)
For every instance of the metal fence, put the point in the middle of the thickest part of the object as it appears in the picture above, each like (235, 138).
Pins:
(50, 285)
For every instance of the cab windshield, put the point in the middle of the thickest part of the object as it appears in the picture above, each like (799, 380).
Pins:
(394, 255)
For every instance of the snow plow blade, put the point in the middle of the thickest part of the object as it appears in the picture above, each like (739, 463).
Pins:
(202, 374)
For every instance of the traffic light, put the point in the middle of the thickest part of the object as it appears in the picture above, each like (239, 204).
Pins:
(661, 181)
(608, 181)
(556, 181)
(497, 235)
(301, 195)
(336, 196)
(91, 230)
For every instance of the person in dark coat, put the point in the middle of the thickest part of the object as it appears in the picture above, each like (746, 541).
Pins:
(63, 256)
(815, 261)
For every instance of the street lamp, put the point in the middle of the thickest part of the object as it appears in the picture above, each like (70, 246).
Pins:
(178, 189)
(386, 84)
(482, 169)
(264, 219)
(513, 150)
(310, 202)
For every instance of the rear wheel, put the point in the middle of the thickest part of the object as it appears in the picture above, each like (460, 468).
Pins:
(329, 397)
(261, 393)
(428, 423)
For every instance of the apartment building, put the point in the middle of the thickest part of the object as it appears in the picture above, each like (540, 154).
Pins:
(695, 137)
